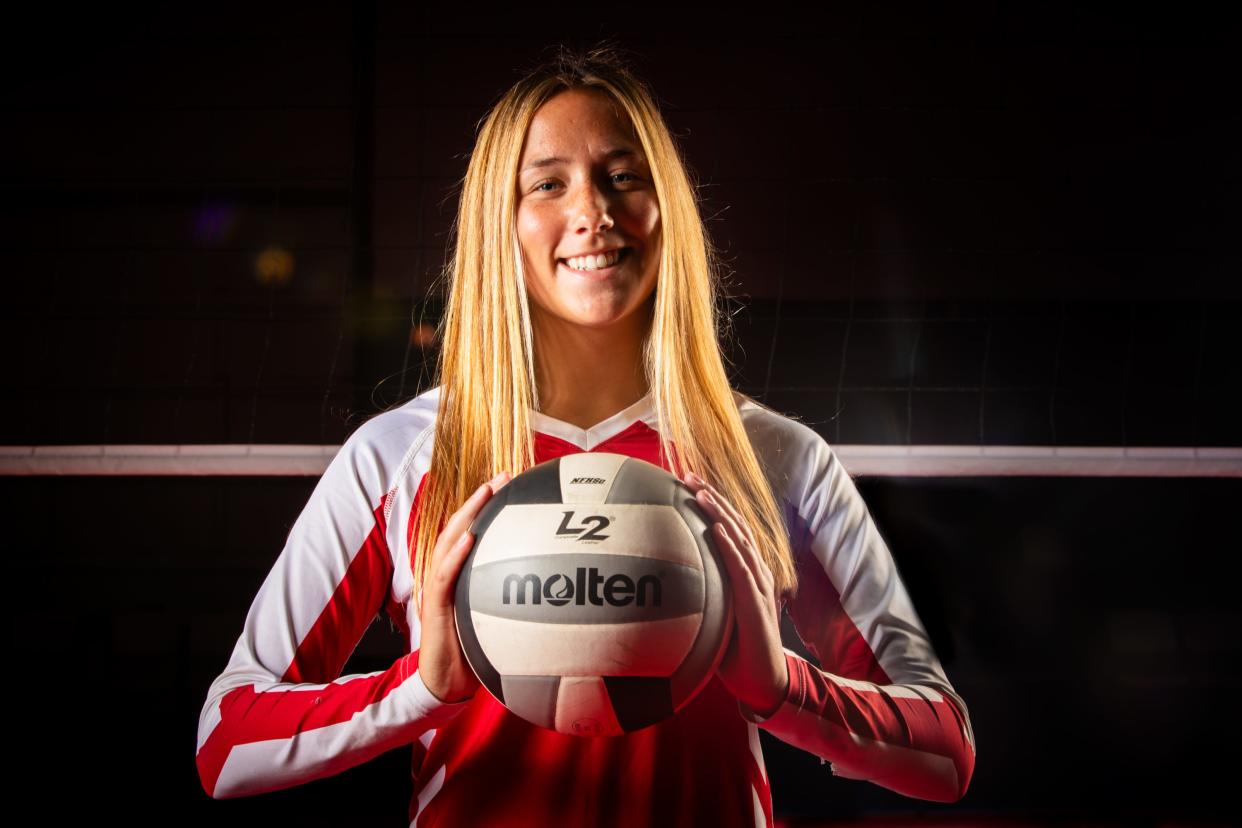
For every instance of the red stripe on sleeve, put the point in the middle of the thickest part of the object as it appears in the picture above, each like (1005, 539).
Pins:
(278, 712)
(322, 654)
(892, 741)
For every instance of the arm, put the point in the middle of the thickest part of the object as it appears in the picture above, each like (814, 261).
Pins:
(886, 713)
(281, 714)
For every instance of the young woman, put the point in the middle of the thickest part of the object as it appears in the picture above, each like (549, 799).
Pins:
(582, 317)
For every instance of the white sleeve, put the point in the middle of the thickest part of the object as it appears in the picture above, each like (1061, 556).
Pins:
(281, 714)
(882, 709)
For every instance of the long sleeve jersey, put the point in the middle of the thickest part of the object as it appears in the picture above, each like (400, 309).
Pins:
(877, 706)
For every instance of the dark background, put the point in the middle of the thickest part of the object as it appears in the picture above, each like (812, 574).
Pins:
(990, 225)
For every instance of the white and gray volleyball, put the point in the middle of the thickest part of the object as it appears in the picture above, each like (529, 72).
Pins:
(594, 601)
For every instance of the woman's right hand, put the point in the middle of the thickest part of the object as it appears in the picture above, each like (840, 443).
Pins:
(441, 662)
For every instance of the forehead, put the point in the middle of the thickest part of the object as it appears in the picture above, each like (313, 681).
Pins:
(579, 120)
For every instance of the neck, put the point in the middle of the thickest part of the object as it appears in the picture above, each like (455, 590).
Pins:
(585, 375)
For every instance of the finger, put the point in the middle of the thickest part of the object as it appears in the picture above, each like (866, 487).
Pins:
(444, 577)
(474, 504)
(450, 568)
(455, 554)
(461, 519)
(727, 514)
(743, 539)
(496, 483)
(757, 604)
(748, 591)
(724, 506)
(735, 562)
(694, 481)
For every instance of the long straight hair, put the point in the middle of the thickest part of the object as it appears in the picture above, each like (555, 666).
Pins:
(486, 365)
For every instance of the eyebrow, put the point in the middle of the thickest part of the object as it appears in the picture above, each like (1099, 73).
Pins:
(619, 152)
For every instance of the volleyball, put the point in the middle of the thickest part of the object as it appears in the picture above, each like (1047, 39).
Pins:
(594, 601)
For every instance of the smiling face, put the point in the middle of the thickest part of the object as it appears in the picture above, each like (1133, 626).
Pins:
(584, 188)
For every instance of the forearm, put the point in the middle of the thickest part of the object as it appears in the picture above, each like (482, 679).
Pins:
(911, 739)
(263, 736)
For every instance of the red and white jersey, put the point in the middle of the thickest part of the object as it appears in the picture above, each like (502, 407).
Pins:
(281, 713)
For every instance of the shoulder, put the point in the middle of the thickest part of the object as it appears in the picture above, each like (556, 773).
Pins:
(777, 437)
(793, 454)
(396, 425)
(768, 423)
(383, 447)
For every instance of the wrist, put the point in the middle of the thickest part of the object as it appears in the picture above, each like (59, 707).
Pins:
(784, 688)
(769, 711)
(773, 703)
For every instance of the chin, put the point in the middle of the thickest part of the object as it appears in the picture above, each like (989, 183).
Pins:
(597, 322)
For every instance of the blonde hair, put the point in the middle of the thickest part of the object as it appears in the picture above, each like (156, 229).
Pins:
(486, 363)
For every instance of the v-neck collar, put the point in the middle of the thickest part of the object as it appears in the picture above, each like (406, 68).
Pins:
(588, 438)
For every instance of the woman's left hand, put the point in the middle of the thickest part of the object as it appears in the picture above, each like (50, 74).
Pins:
(753, 668)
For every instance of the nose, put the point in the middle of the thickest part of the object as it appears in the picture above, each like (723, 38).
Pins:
(592, 212)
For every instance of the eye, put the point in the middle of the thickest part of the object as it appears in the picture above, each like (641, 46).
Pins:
(538, 187)
(631, 175)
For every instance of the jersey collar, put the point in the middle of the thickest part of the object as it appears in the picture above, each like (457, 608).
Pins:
(588, 438)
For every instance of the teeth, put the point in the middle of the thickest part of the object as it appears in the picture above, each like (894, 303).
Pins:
(586, 263)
